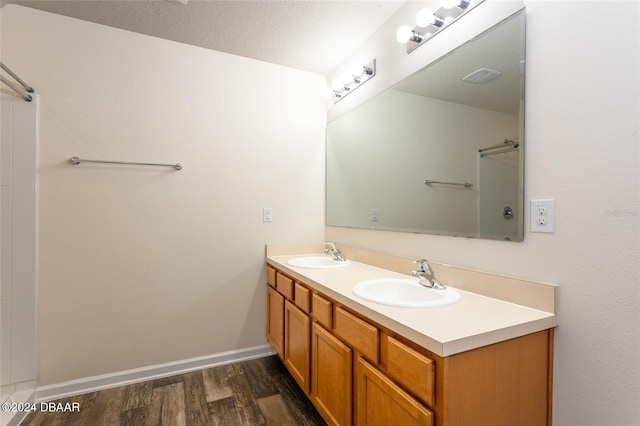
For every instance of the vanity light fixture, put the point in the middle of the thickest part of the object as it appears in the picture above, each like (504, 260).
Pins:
(351, 80)
(430, 23)
(426, 17)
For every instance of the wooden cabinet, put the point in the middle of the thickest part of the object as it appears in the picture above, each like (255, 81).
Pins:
(284, 285)
(411, 369)
(301, 298)
(275, 320)
(359, 334)
(381, 402)
(356, 371)
(331, 367)
(297, 337)
(322, 310)
(504, 384)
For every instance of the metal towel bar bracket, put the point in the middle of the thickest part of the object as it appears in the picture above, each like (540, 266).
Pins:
(466, 184)
(75, 161)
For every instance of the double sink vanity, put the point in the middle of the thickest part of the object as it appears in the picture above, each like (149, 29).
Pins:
(376, 339)
(477, 352)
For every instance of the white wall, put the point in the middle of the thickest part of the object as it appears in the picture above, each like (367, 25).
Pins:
(581, 148)
(141, 266)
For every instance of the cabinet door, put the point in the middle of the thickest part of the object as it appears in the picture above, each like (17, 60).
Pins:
(297, 342)
(381, 402)
(275, 320)
(331, 374)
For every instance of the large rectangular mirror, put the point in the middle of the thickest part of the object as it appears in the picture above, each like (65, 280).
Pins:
(438, 153)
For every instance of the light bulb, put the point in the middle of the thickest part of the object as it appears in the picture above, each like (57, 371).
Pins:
(357, 70)
(404, 34)
(346, 78)
(328, 92)
(448, 4)
(425, 17)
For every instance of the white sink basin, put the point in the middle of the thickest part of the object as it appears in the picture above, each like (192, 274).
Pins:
(404, 292)
(318, 262)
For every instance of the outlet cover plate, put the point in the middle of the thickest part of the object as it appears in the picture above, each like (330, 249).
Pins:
(543, 215)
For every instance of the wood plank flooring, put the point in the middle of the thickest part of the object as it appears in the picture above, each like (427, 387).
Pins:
(256, 392)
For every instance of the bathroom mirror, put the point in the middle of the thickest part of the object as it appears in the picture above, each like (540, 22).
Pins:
(435, 153)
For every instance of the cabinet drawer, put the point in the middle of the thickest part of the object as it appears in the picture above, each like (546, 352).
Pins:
(301, 297)
(271, 276)
(321, 310)
(357, 333)
(284, 285)
(412, 370)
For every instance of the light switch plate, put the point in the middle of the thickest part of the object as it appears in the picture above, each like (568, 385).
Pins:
(267, 214)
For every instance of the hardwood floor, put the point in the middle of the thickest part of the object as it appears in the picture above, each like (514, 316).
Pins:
(256, 392)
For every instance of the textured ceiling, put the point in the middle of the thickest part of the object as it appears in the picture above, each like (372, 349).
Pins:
(310, 35)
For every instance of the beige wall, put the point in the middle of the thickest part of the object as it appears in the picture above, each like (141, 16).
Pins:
(581, 148)
(141, 266)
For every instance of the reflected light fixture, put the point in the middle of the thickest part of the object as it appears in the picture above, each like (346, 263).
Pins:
(430, 22)
(351, 80)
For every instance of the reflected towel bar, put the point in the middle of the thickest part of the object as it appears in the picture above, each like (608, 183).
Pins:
(506, 144)
(466, 184)
(76, 161)
(502, 151)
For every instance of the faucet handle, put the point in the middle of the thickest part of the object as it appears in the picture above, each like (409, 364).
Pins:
(330, 247)
(423, 264)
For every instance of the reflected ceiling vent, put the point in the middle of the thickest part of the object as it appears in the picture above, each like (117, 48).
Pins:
(481, 75)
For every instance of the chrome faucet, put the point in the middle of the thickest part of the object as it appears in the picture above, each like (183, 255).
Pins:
(426, 276)
(333, 250)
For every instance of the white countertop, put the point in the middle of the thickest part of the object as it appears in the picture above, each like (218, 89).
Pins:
(472, 322)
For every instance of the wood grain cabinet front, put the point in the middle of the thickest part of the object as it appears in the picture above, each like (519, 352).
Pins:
(380, 402)
(357, 333)
(284, 285)
(331, 371)
(414, 371)
(271, 276)
(297, 348)
(357, 371)
(275, 321)
(321, 310)
(301, 298)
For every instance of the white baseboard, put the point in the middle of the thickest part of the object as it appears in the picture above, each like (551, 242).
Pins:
(127, 377)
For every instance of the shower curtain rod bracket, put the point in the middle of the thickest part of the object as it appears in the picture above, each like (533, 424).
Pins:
(28, 88)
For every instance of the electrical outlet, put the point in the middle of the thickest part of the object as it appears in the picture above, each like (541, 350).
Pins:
(543, 216)
(374, 215)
